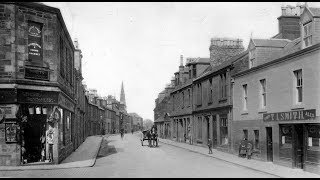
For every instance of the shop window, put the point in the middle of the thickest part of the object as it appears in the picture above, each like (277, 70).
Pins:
(314, 138)
(256, 139)
(223, 130)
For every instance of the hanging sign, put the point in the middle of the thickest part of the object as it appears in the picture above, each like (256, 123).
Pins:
(35, 42)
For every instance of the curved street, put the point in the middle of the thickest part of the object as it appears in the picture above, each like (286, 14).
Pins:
(127, 158)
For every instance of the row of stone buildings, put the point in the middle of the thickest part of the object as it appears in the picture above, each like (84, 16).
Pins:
(41, 88)
(267, 93)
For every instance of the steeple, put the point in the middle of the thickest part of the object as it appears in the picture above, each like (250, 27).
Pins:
(122, 96)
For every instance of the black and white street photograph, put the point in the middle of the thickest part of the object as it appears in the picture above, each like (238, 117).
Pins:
(159, 89)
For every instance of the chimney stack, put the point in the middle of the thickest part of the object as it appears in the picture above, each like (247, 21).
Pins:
(181, 60)
(289, 27)
(222, 48)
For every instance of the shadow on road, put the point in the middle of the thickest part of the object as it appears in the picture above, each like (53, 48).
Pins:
(106, 150)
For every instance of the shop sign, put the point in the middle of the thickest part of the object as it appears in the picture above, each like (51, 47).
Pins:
(290, 116)
(11, 132)
(35, 42)
(8, 96)
(66, 103)
(39, 74)
(37, 97)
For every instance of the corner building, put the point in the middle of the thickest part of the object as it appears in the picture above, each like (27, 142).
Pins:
(36, 82)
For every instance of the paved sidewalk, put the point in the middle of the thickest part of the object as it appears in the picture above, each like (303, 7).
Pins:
(84, 156)
(267, 167)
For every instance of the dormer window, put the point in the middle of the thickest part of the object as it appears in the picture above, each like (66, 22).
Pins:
(251, 58)
(194, 70)
(307, 37)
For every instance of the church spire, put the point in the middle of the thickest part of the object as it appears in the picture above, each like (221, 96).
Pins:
(122, 96)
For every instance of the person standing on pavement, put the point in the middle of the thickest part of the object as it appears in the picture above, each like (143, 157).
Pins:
(249, 150)
(50, 143)
(210, 146)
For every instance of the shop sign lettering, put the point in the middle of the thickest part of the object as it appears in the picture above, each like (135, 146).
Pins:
(38, 97)
(66, 103)
(35, 42)
(40, 74)
(290, 116)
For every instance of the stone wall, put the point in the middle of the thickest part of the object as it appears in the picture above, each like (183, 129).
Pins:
(9, 153)
(7, 40)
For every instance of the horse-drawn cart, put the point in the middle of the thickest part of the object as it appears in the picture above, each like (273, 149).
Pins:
(152, 138)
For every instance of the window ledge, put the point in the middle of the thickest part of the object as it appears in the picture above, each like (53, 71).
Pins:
(223, 99)
(262, 110)
(297, 106)
(245, 112)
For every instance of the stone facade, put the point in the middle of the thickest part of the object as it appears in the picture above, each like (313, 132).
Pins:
(41, 88)
(284, 131)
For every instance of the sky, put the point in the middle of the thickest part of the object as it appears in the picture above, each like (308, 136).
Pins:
(140, 43)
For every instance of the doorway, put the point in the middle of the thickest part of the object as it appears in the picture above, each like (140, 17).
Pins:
(269, 144)
(214, 131)
(207, 127)
(34, 129)
(298, 154)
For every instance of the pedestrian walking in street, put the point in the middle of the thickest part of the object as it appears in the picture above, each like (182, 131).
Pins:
(122, 133)
(210, 145)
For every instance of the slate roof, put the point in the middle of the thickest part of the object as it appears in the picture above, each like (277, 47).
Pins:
(228, 61)
(280, 43)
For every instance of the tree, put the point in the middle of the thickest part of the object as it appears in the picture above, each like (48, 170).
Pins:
(147, 123)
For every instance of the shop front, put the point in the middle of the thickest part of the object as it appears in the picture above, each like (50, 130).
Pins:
(31, 121)
(297, 145)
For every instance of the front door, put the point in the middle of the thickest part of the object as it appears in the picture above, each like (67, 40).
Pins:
(269, 144)
(298, 146)
(208, 127)
(214, 131)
